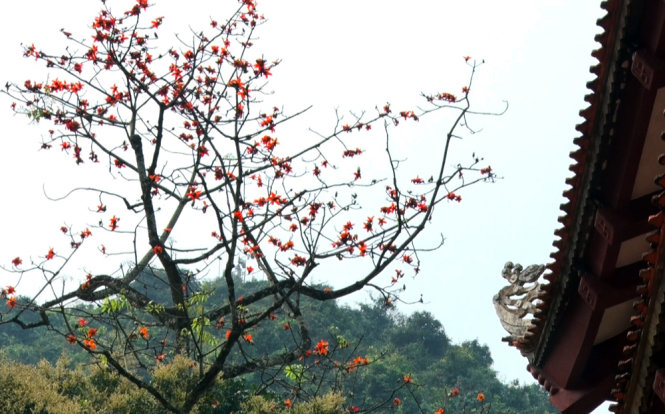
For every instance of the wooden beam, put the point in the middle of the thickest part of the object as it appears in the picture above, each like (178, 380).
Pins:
(626, 149)
(571, 348)
(571, 351)
(653, 26)
(582, 400)
(611, 228)
(599, 295)
(596, 383)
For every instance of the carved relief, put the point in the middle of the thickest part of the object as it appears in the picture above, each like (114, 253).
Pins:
(517, 301)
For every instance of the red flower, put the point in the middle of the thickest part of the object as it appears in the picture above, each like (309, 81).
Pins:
(356, 175)
(248, 338)
(409, 114)
(321, 348)
(72, 126)
(157, 22)
(50, 255)
(114, 223)
(11, 302)
(286, 246)
(261, 69)
(417, 180)
(86, 284)
(287, 403)
(143, 331)
(298, 261)
(76, 87)
(92, 332)
(71, 338)
(17, 261)
(359, 361)
(408, 379)
(440, 411)
(236, 83)
(445, 96)
(480, 397)
(368, 224)
(90, 343)
(82, 322)
(157, 249)
(193, 193)
(396, 402)
(92, 53)
(10, 290)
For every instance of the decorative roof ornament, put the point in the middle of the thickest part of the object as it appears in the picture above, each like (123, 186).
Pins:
(517, 301)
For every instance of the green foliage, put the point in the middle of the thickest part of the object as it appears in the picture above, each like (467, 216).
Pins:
(394, 345)
(59, 389)
(114, 305)
(331, 403)
(294, 372)
(24, 389)
(48, 389)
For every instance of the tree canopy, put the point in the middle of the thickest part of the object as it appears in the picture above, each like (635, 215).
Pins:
(362, 369)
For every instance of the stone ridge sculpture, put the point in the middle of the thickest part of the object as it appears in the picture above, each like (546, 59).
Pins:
(514, 302)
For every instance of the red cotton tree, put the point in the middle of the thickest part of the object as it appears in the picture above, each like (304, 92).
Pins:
(198, 186)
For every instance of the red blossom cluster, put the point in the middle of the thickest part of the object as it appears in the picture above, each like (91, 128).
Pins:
(452, 196)
(443, 96)
(321, 348)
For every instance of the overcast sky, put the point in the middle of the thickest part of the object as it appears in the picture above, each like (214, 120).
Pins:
(353, 55)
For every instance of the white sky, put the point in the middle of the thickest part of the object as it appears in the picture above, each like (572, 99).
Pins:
(353, 55)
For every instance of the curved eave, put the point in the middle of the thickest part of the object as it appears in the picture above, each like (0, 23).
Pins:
(596, 120)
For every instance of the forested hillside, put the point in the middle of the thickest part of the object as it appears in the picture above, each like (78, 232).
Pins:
(376, 359)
